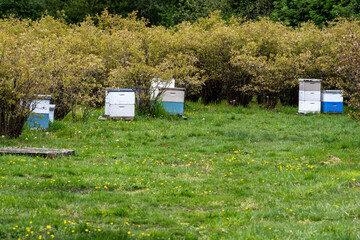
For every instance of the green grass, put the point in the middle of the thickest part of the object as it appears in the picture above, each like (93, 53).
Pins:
(225, 173)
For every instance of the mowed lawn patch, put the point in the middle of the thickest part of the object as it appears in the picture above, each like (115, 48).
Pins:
(225, 173)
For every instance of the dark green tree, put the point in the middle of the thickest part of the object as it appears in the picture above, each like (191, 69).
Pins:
(251, 9)
(170, 13)
(77, 10)
(158, 12)
(294, 12)
(32, 9)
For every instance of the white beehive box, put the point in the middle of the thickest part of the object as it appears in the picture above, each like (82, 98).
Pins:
(309, 95)
(122, 111)
(332, 96)
(42, 104)
(120, 103)
(173, 95)
(51, 112)
(309, 106)
(309, 84)
(121, 96)
(157, 84)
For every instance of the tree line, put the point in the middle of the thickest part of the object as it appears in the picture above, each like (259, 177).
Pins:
(172, 12)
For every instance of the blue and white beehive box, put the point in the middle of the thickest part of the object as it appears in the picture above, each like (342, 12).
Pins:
(39, 118)
(120, 103)
(332, 101)
(173, 100)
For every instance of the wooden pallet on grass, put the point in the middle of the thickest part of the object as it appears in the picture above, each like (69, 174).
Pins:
(44, 152)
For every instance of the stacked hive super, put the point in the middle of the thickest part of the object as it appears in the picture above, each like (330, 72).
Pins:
(309, 95)
(120, 103)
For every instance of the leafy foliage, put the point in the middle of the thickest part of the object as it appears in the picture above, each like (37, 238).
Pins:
(24, 73)
(348, 55)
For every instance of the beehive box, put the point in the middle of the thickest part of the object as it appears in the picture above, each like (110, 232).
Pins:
(126, 111)
(173, 100)
(332, 96)
(332, 107)
(332, 101)
(309, 84)
(309, 95)
(120, 103)
(51, 112)
(309, 106)
(39, 118)
(157, 85)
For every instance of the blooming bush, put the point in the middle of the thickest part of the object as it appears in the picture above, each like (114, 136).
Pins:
(213, 59)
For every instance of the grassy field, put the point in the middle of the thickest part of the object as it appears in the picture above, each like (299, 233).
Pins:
(225, 173)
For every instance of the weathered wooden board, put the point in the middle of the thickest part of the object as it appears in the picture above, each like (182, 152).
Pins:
(45, 152)
(105, 117)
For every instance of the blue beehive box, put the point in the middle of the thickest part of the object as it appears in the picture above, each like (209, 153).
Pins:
(332, 101)
(332, 107)
(39, 118)
(173, 100)
(174, 108)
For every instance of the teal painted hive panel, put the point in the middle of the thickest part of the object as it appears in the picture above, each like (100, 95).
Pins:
(39, 120)
(174, 107)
